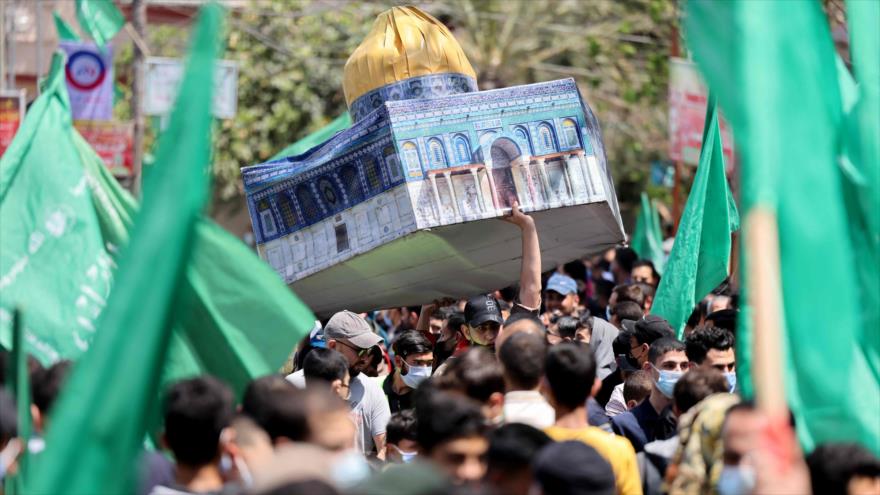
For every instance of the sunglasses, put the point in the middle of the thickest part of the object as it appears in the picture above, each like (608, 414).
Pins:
(360, 352)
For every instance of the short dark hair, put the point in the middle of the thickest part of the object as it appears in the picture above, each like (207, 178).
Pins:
(522, 358)
(627, 310)
(723, 318)
(196, 411)
(513, 446)
(625, 257)
(526, 316)
(277, 406)
(833, 465)
(48, 383)
(567, 326)
(570, 369)
(702, 339)
(325, 364)
(622, 343)
(401, 426)
(603, 287)
(647, 289)
(661, 346)
(630, 292)
(476, 373)
(411, 342)
(637, 386)
(648, 263)
(696, 385)
(446, 312)
(650, 328)
(443, 417)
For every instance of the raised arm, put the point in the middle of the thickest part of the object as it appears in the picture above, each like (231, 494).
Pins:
(530, 272)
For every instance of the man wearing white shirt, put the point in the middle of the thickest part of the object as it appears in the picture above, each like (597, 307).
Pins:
(522, 360)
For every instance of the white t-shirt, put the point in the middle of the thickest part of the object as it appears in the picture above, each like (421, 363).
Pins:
(369, 409)
(529, 407)
(616, 404)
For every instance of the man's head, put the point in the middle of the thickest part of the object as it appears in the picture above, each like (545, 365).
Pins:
(570, 376)
(329, 420)
(646, 330)
(713, 347)
(636, 388)
(643, 271)
(622, 266)
(667, 362)
(277, 407)
(413, 357)
(440, 318)
(696, 385)
(402, 437)
(627, 292)
(46, 387)
(573, 468)
(626, 310)
(482, 321)
(725, 318)
(740, 434)
(477, 375)
(512, 448)
(846, 468)
(520, 323)
(352, 336)
(196, 412)
(522, 359)
(328, 366)
(561, 294)
(451, 434)
(569, 328)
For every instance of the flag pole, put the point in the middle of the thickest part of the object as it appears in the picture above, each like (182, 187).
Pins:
(765, 299)
(139, 23)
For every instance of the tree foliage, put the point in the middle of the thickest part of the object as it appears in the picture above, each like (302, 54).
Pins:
(291, 54)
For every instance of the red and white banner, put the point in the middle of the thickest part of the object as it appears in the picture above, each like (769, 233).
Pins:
(113, 141)
(11, 114)
(687, 113)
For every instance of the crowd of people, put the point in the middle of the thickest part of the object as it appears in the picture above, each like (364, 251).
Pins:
(563, 384)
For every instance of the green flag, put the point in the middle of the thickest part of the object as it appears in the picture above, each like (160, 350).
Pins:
(99, 19)
(321, 135)
(65, 32)
(647, 241)
(700, 256)
(101, 416)
(812, 160)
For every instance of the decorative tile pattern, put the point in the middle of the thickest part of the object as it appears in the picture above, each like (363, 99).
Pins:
(428, 86)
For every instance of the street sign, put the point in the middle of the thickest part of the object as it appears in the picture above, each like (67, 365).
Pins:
(163, 80)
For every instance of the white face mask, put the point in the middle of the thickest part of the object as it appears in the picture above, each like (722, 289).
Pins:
(349, 469)
(415, 374)
(736, 480)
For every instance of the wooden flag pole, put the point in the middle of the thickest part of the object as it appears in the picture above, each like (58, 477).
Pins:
(765, 300)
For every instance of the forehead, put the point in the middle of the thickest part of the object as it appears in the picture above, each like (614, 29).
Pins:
(472, 445)
(673, 357)
(717, 355)
(644, 270)
(421, 356)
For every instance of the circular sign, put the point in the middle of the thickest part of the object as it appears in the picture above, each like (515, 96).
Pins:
(85, 71)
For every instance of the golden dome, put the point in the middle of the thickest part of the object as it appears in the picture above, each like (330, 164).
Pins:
(404, 43)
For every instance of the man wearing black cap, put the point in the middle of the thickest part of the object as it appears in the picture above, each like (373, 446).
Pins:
(352, 336)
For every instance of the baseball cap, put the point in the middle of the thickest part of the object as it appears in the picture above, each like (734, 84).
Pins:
(350, 327)
(562, 284)
(481, 309)
(652, 327)
(573, 468)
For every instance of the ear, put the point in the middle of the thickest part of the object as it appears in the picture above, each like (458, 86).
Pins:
(336, 385)
(597, 385)
(331, 344)
(646, 366)
(37, 418)
(631, 404)
(466, 331)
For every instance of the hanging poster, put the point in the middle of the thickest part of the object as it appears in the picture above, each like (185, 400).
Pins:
(113, 141)
(89, 77)
(11, 114)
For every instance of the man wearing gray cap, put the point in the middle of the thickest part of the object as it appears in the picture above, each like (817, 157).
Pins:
(351, 336)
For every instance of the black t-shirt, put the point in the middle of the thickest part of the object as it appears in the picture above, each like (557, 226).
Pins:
(397, 402)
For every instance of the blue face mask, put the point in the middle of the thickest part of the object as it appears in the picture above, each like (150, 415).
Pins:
(667, 381)
(415, 375)
(731, 380)
(736, 480)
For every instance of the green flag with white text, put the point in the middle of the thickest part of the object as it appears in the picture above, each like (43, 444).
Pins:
(99, 19)
(101, 417)
(809, 141)
(700, 255)
(647, 241)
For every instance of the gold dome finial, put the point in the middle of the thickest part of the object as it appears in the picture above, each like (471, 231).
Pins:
(404, 43)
